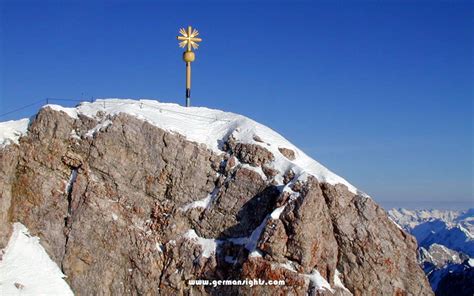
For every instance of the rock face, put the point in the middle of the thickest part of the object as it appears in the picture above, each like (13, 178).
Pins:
(125, 207)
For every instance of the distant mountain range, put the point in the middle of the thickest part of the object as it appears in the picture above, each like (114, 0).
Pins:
(446, 247)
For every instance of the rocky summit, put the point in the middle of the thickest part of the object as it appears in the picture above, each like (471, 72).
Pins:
(146, 198)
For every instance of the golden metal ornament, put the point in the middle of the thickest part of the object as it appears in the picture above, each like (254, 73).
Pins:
(189, 41)
(188, 38)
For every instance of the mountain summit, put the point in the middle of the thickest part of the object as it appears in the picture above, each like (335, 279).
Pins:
(141, 197)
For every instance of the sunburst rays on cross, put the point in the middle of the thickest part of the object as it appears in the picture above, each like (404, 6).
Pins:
(188, 38)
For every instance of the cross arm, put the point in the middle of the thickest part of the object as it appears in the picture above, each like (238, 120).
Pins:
(195, 39)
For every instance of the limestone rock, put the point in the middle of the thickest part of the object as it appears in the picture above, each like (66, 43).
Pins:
(114, 209)
(288, 153)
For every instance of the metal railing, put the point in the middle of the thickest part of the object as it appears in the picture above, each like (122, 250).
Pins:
(47, 101)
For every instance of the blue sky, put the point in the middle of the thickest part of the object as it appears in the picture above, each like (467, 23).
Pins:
(380, 91)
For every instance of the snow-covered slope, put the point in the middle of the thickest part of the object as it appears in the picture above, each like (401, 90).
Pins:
(26, 269)
(209, 127)
(11, 131)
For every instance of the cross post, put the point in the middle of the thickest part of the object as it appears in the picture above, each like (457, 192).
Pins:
(190, 41)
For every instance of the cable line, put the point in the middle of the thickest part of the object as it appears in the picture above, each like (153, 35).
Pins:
(48, 100)
(21, 108)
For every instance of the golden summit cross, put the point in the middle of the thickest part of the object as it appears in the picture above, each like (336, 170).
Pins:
(189, 40)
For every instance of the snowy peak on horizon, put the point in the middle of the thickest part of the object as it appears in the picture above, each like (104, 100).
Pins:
(409, 219)
(446, 246)
(453, 229)
(439, 255)
(198, 124)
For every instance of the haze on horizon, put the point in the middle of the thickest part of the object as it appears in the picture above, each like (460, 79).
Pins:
(380, 93)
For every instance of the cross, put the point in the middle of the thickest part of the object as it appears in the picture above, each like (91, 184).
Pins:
(189, 38)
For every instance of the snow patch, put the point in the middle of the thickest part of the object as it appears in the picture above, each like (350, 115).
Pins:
(288, 265)
(258, 170)
(318, 282)
(72, 179)
(251, 241)
(466, 232)
(71, 112)
(338, 283)
(74, 135)
(255, 253)
(396, 224)
(159, 247)
(90, 133)
(26, 264)
(277, 212)
(208, 246)
(202, 203)
(11, 131)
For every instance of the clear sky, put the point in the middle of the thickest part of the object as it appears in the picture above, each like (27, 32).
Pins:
(380, 92)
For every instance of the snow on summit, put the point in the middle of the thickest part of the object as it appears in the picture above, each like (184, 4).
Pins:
(210, 127)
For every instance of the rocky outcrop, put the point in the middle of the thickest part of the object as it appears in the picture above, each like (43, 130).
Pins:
(124, 207)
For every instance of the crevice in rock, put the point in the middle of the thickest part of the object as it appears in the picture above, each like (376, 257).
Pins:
(70, 211)
(166, 263)
(67, 220)
(69, 188)
(336, 232)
